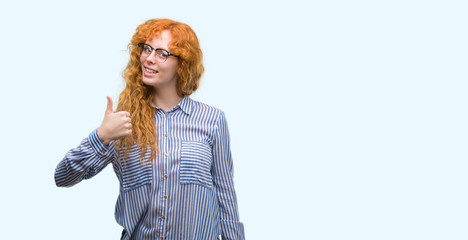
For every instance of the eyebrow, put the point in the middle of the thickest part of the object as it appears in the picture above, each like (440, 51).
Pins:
(157, 48)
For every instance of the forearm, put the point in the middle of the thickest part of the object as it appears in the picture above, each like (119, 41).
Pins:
(84, 161)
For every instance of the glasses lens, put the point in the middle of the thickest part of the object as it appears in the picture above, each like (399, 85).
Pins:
(143, 49)
(161, 55)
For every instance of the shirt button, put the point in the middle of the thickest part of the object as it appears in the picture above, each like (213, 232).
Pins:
(165, 135)
(166, 155)
(165, 115)
(103, 151)
(165, 176)
(162, 238)
(165, 197)
(163, 217)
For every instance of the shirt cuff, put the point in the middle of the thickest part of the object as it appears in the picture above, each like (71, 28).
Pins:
(233, 230)
(98, 145)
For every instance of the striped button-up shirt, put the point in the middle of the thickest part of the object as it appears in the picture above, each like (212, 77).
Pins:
(187, 192)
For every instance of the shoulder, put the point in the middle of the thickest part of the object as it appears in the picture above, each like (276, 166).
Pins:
(206, 110)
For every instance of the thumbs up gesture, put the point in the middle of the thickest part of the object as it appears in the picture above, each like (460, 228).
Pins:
(115, 125)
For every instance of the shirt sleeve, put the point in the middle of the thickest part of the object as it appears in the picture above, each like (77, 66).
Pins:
(222, 172)
(84, 161)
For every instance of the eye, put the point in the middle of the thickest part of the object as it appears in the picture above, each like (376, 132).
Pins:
(147, 49)
(163, 53)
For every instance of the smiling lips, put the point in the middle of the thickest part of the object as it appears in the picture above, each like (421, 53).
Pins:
(149, 71)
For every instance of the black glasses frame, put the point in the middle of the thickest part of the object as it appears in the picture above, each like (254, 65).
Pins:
(144, 45)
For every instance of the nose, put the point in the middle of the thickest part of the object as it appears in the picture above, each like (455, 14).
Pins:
(152, 57)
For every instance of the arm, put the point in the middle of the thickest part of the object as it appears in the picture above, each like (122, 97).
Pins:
(93, 154)
(84, 161)
(223, 183)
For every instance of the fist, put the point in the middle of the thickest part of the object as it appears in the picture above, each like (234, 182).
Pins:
(116, 125)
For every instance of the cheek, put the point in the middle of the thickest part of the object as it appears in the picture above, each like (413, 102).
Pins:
(175, 70)
(171, 69)
(175, 67)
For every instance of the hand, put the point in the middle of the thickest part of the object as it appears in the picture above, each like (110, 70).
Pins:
(115, 125)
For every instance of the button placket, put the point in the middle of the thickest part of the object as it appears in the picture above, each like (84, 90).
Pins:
(166, 169)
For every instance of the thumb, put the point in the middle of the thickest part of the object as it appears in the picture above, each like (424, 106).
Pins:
(109, 105)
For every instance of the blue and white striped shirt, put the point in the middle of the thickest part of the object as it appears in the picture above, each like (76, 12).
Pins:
(188, 190)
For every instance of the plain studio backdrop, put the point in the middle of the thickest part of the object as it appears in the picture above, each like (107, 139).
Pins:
(348, 119)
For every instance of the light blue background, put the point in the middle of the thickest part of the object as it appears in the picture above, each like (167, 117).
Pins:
(348, 119)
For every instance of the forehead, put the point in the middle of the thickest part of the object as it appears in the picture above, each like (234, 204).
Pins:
(160, 40)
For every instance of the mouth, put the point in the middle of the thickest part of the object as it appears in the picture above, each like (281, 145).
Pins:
(149, 71)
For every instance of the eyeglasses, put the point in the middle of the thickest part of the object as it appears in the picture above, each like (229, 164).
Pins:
(161, 54)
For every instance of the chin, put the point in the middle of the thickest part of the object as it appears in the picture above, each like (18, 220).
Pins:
(149, 81)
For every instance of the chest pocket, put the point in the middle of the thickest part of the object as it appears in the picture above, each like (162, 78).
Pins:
(135, 173)
(195, 163)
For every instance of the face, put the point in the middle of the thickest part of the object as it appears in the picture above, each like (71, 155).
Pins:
(161, 76)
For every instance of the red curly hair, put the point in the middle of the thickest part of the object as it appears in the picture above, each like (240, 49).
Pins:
(137, 98)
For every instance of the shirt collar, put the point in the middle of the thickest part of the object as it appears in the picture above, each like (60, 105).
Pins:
(185, 104)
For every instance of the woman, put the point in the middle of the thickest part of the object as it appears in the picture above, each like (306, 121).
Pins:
(170, 153)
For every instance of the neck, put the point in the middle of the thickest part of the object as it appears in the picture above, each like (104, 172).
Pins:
(166, 100)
